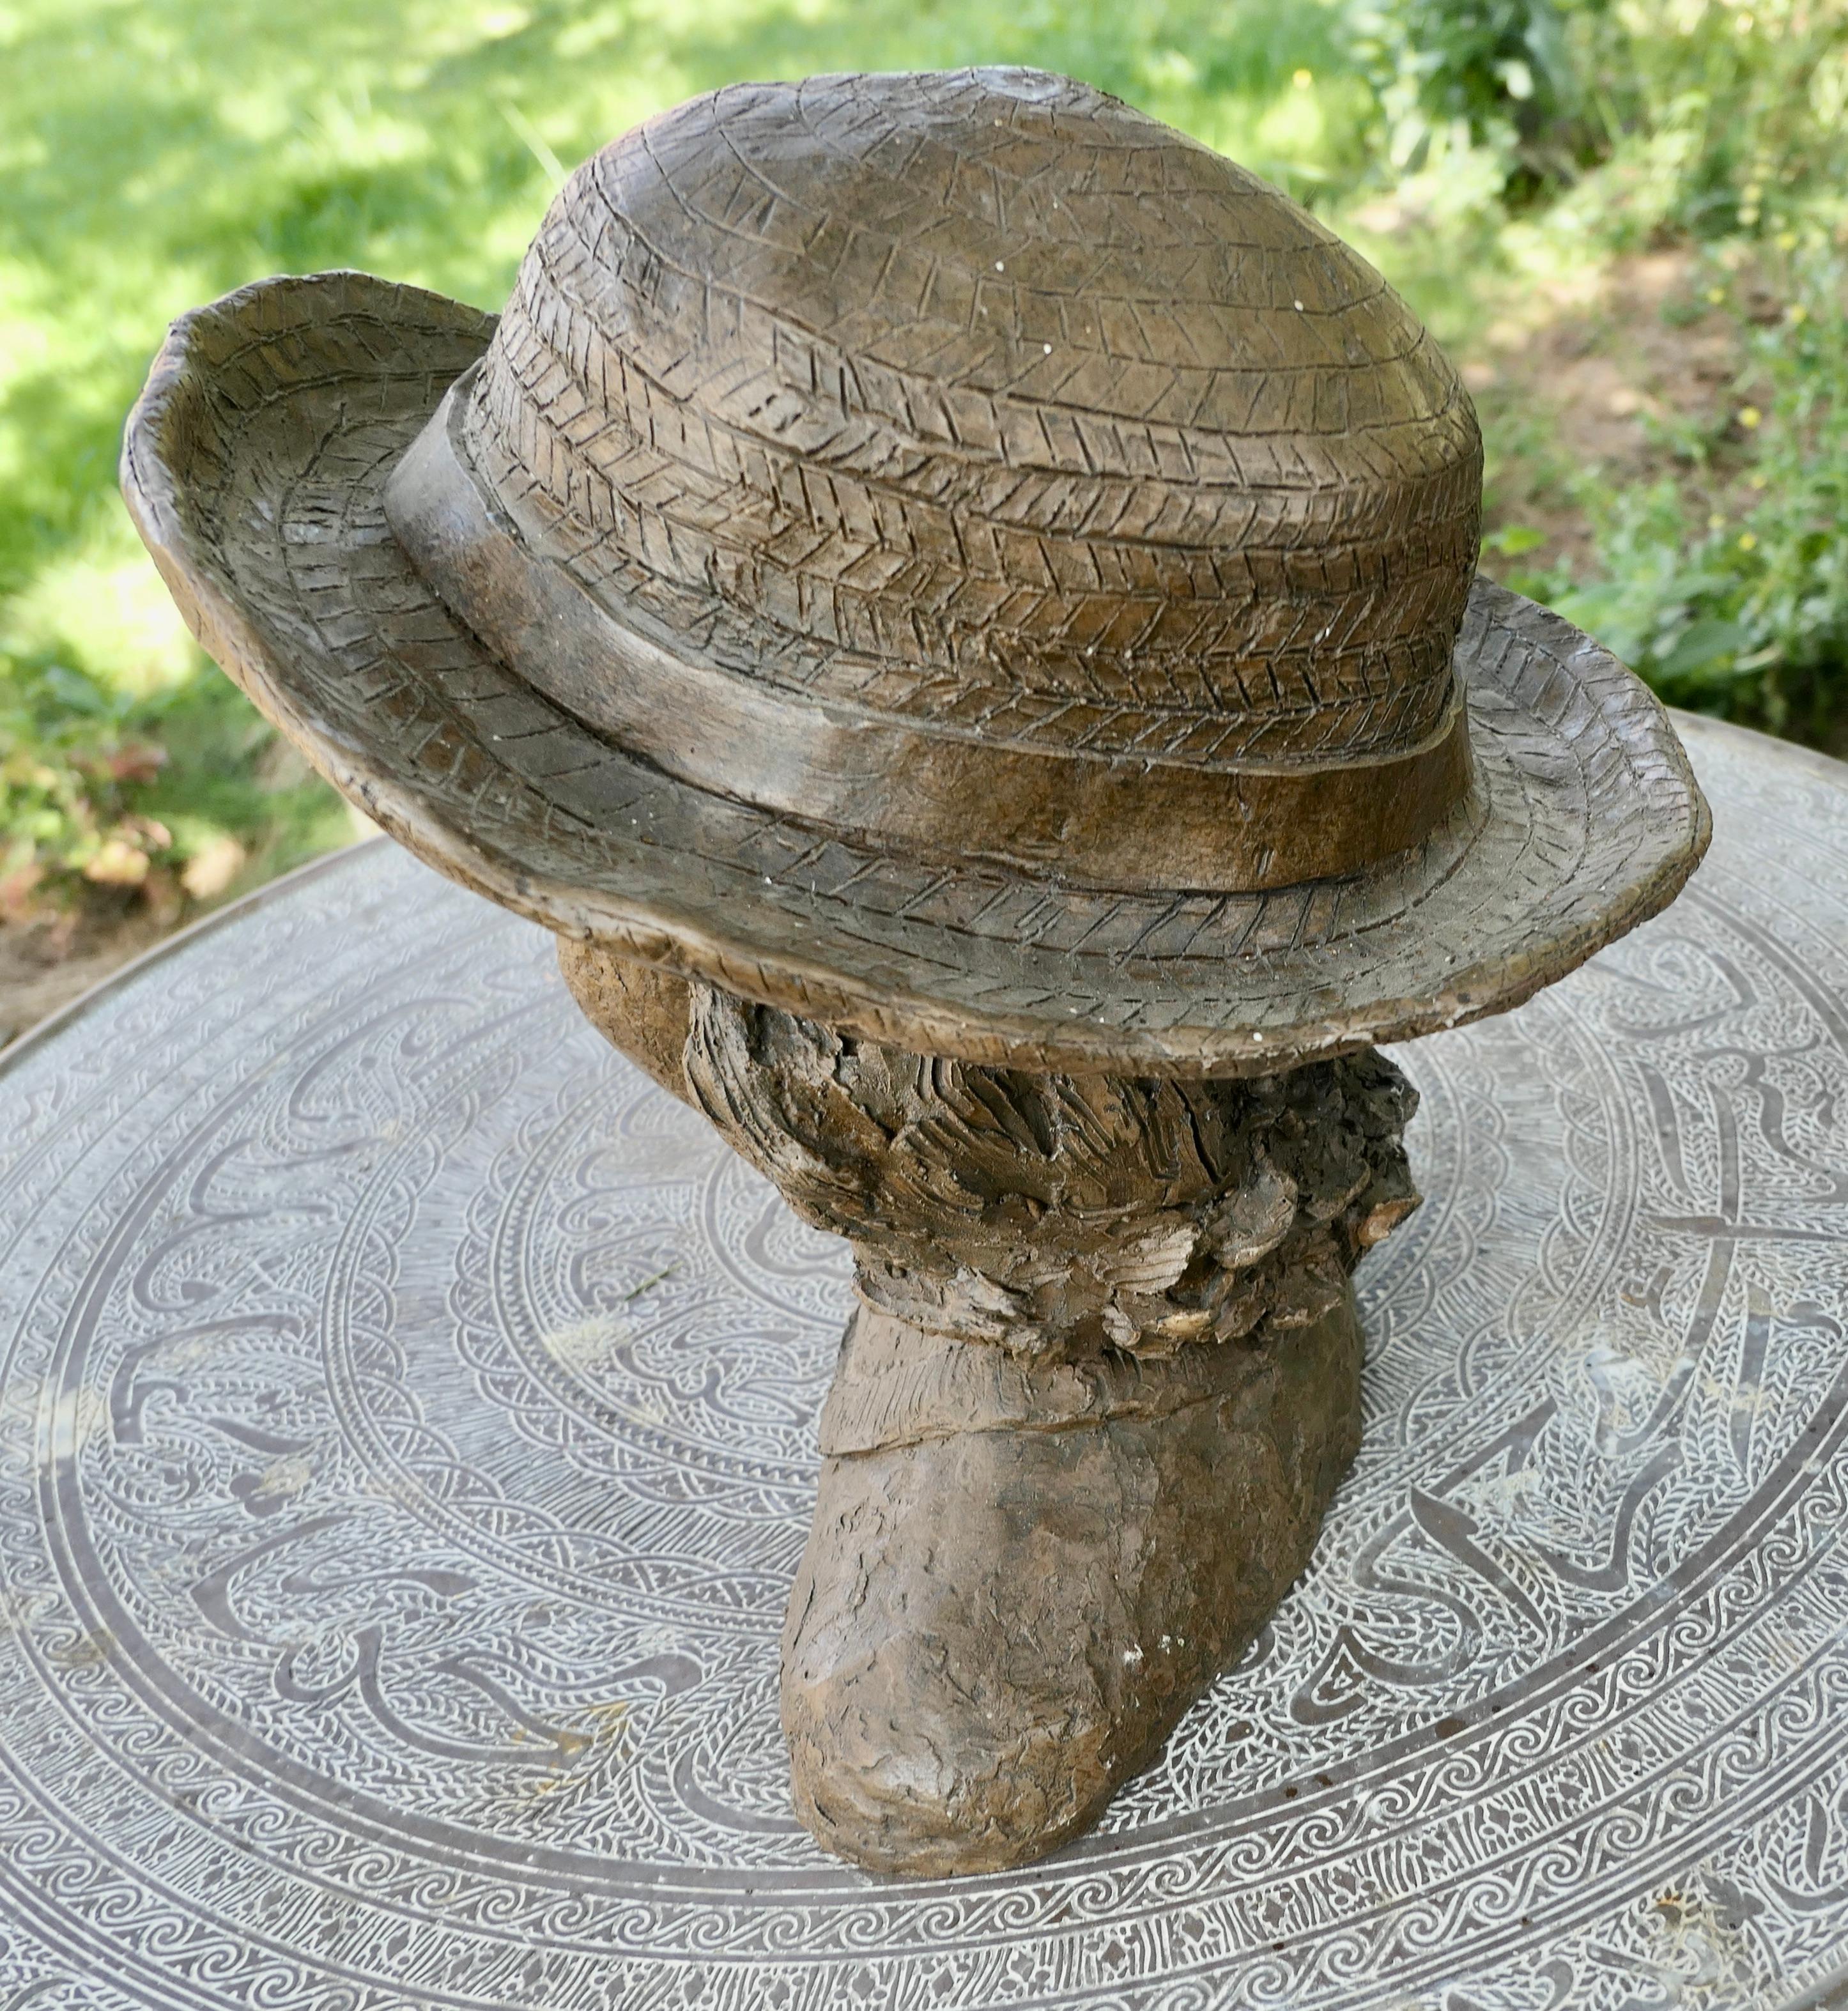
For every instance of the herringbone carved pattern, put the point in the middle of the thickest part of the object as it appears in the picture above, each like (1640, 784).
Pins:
(255, 464)
(983, 399)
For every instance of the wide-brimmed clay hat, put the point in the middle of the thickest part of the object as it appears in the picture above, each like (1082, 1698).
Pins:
(943, 554)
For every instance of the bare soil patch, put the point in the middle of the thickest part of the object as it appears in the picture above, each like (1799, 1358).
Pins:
(46, 962)
(1632, 370)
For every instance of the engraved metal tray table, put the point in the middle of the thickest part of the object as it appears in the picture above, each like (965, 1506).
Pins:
(406, 1441)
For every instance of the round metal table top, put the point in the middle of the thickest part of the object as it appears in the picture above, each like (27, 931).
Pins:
(406, 1442)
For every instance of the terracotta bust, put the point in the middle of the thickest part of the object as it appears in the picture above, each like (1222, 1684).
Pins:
(955, 602)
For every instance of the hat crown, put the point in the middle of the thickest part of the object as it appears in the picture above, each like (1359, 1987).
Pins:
(982, 400)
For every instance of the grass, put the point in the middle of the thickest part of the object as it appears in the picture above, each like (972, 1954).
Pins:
(155, 153)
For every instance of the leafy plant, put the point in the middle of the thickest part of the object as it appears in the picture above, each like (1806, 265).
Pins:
(177, 798)
(1503, 74)
(1730, 593)
(1709, 115)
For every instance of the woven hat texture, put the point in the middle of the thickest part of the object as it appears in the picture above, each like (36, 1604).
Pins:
(984, 411)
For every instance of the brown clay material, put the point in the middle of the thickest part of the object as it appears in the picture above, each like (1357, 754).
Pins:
(1013, 1590)
(1050, 1215)
(900, 781)
(1103, 1379)
(945, 555)
(956, 602)
(642, 1011)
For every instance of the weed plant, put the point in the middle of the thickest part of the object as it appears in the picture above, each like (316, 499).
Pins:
(1726, 584)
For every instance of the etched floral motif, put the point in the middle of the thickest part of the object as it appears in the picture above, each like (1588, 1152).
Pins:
(405, 1440)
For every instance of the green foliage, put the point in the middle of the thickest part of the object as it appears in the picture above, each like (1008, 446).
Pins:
(1728, 591)
(1709, 115)
(184, 792)
(1500, 74)
(1723, 117)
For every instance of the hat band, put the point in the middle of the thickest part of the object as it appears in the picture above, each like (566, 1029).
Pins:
(1135, 824)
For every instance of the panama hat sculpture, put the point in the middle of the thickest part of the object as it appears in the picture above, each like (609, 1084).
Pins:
(955, 602)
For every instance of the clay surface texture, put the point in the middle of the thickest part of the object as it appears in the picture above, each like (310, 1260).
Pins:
(408, 1419)
(948, 556)
(1103, 1378)
(957, 603)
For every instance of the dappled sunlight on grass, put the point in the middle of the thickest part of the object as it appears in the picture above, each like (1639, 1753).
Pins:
(101, 602)
(161, 152)
(156, 153)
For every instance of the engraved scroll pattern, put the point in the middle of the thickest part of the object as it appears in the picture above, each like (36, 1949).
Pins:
(405, 1441)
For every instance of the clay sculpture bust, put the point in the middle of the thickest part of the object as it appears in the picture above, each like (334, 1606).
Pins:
(954, 602)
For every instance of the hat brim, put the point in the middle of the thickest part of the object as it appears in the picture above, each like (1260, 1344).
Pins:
(253, 466)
